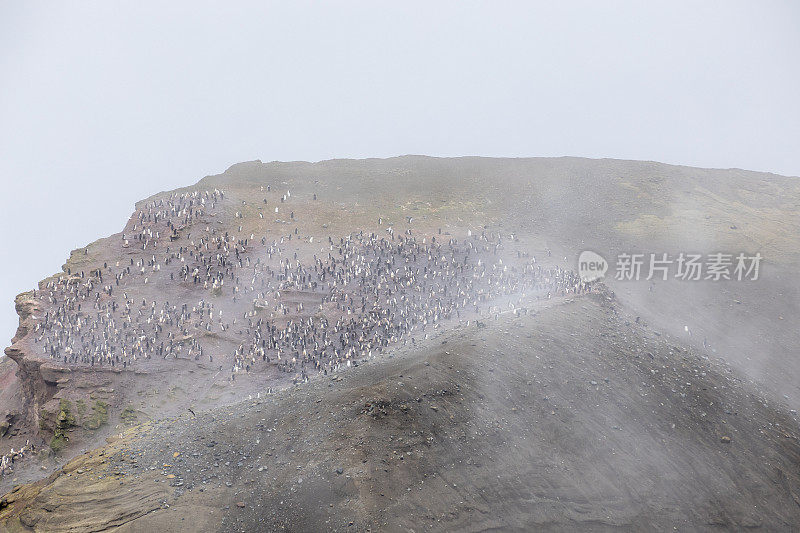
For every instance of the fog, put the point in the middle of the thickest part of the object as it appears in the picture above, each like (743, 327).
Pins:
(103, 104)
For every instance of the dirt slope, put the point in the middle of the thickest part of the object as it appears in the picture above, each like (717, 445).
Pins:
(517, 426)
(576, 418)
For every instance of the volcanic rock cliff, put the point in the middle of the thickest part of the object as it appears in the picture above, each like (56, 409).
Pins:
(187, 260)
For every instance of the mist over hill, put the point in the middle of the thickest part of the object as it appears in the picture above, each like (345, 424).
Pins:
(406, 343)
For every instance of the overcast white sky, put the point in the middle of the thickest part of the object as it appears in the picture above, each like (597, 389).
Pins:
(105, 103)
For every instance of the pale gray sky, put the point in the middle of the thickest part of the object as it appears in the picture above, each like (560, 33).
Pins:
(104, 103)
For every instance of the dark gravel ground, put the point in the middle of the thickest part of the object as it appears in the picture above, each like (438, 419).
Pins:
(576, 418)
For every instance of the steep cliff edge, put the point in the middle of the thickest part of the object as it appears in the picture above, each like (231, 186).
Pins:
(37, 377)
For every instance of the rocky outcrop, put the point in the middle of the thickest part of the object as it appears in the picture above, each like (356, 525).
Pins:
(43, 383)
(100, 500)
(38, 380)
(36, 390)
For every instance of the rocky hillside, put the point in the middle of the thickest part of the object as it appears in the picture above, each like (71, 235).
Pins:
(576, 418)
(292, 286)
